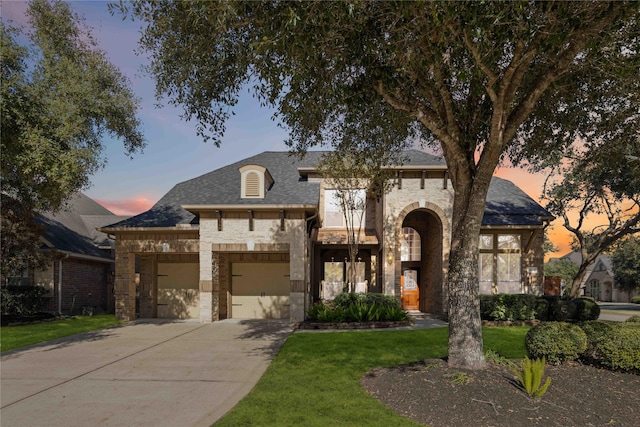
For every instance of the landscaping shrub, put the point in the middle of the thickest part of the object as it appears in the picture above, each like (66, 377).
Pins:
(562, 309)
(557, 342)
(542, 309)
(587, 309)
(512, 307)
(348, 307)
(23, 300)
(393, 314)
(613, 345)
(346, 299)
(634, 319)
(635, 300)
(530, 374)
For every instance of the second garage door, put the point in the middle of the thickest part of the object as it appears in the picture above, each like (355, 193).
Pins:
(260, 290)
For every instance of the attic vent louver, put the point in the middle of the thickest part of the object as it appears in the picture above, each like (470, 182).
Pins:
(256, 181)
(252, 184)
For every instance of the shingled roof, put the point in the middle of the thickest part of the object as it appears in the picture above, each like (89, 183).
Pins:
(506, 204)
(73, 229)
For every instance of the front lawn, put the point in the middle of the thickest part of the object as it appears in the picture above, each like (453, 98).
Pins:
(315, 378)
(12, 337)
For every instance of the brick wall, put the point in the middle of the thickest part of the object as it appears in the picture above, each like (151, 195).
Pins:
(84, 283)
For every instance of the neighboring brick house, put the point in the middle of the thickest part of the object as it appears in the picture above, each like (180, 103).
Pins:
(260, 239)
(81, 273)
(598, 282)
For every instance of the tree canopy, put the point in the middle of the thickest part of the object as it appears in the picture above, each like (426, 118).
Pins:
(626, 264)
(480, 80)
(60, 95)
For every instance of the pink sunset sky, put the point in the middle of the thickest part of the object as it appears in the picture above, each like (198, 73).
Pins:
(174, 152)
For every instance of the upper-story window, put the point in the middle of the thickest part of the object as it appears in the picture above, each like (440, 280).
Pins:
(255, 181)
(337, 201)
(410, 249)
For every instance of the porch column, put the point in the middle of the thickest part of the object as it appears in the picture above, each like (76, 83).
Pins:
(125, 285)
(297, 270)
(208, 296)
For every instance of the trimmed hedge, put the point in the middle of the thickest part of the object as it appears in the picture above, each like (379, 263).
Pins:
(512, 307)
(557, 342)
(515, 307)
(635, 300)
(613, 345)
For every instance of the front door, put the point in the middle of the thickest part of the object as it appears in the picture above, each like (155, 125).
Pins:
(409, 290)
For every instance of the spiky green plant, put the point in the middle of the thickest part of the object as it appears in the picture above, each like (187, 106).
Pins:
(530, 377)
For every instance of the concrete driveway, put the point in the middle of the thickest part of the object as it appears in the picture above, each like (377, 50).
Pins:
(144, 373)
(617, 311)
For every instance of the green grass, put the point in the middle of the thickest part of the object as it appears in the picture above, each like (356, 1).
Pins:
(315, 379)
(12, 337)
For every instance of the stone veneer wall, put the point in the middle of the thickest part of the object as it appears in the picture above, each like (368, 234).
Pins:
(235, 236)
(398, 203)
(130, 245)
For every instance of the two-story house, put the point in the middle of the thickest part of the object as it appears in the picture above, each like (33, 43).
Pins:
(264, 238)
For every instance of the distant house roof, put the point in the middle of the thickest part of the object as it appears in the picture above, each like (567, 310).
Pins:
(601, 264)
(73, 229)
(506, 203)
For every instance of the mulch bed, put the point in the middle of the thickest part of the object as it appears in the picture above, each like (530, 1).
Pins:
(579, 395)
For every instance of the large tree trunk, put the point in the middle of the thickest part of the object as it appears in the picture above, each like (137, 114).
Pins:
(465, 326)
(577, 281)
(587, 260)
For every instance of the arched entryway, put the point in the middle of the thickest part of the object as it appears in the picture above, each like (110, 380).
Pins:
(421, 271)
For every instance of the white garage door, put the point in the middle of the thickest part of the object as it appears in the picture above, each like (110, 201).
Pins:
(260, 290)
(178, 290)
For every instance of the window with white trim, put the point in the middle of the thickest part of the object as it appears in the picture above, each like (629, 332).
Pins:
(410, 247)
(334, 200)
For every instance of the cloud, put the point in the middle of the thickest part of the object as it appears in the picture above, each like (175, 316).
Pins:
(128, 207)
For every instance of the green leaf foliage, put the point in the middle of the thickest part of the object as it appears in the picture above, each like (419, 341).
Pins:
(613, 345)
(557, 342)
(350, 307)
(530, 377)
(626, 264)
(478, 83)
(60, 97)
(512, 307)
(563, 268)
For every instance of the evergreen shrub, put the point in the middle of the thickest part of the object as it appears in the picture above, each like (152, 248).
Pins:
(613, 345)
(587, 309)
(634, 319)
(557, 342)
(350, 307)
(512, 307)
